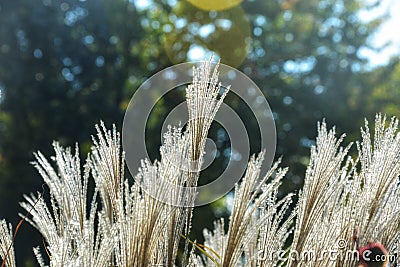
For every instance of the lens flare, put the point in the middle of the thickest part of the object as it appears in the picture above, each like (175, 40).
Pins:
(195, 33)
(216, 5)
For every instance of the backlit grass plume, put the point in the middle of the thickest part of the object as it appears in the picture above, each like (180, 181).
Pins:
(6, 244)
(348, 205)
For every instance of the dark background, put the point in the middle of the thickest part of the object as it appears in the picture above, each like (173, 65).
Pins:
(66, 65)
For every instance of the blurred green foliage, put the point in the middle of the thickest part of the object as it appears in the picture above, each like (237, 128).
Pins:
(66, 65)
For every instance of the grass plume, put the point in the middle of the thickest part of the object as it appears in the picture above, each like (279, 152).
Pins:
(141, 222)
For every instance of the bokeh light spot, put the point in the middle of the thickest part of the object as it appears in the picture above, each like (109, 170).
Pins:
(196, 32)
(217, 5)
